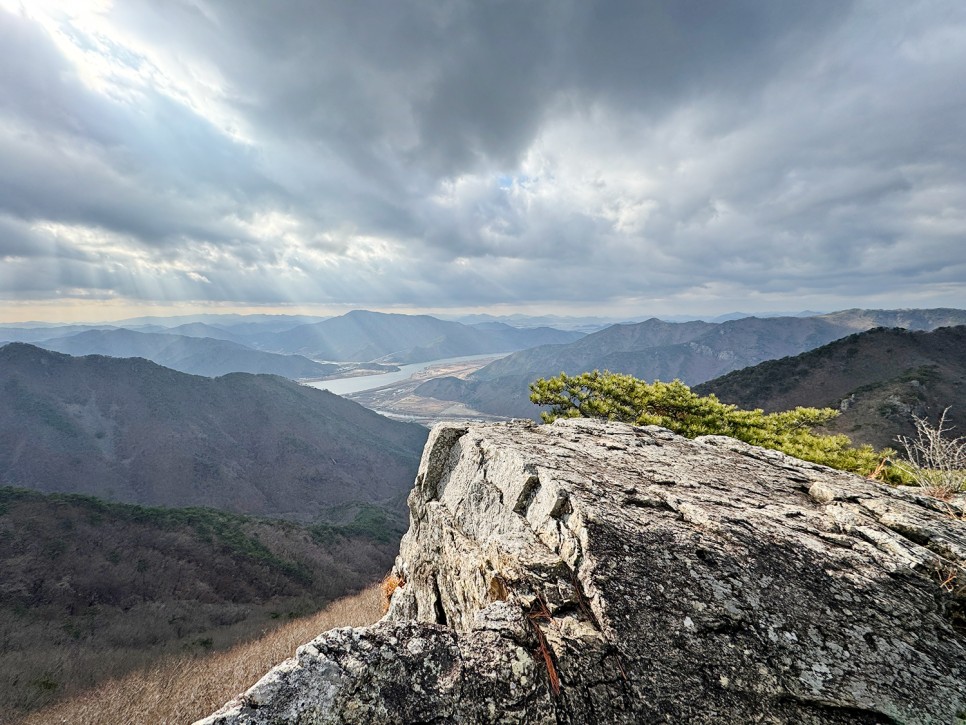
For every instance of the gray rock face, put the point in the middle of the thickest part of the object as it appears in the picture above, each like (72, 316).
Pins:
(598, 572)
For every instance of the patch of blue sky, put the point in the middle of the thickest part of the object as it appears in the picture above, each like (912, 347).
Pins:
(507, 181)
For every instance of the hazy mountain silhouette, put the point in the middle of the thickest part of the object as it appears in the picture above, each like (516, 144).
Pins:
(45, 332)
(195, 355)
(193, 329)
(364, 336)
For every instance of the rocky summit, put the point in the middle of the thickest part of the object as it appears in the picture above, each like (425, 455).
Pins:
(598, 572)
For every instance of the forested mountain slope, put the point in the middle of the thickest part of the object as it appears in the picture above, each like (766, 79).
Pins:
(92, 590)
(130, 430)
(879, 379)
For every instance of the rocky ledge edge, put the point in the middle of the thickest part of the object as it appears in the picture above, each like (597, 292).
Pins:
(588, 571)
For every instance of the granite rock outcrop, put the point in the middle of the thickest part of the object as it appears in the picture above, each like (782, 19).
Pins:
(588, 571)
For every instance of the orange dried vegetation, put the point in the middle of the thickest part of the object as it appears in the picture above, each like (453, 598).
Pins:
(391, 583)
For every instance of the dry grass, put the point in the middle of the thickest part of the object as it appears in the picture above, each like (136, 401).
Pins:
(937, 463)
(182, 690)
(390, 584)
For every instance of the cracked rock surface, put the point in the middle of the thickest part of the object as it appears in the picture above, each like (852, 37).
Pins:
(598, 572)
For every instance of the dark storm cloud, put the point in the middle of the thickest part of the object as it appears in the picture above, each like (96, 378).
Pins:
(452, 85)
(464, 153)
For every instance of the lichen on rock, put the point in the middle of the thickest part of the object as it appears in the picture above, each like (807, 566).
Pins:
(587, 571)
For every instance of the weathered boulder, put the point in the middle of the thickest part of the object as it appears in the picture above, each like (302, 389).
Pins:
(598, 572)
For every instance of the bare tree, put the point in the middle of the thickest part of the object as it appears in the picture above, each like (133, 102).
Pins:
(935, 462)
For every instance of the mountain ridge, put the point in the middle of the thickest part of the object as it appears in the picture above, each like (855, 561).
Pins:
(130, 430)
(361, 335)
(879, 379)
(693, 352)
(195, 355)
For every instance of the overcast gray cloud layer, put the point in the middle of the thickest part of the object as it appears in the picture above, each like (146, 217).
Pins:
(660, 155)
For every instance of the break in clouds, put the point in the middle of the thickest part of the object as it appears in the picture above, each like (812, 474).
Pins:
(669, 155)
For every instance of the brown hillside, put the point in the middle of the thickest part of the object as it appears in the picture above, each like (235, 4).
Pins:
(203, 682)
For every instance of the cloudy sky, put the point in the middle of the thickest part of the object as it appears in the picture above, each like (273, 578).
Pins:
(574, 156)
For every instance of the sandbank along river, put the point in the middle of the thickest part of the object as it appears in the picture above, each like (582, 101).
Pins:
(346, 386)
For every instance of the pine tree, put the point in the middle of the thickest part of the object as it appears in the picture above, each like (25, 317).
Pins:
(618, 397)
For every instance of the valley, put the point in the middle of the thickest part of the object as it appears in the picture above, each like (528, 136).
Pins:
(400, 401)
(693, 352)
(280, 282)
(354, 384)
(193, 509)
(93, 590)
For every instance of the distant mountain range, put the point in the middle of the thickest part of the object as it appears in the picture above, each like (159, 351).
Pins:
(130, 430)
(196, 355)
(584, 324)
(693, 352)
(362, 335)
(294, 350)
(202, 329)
(879, 379)
(590, 324)
(45, 332)
(223, 321)
(728, 316)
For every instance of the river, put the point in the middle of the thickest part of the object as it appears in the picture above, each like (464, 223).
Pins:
(358, 383)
